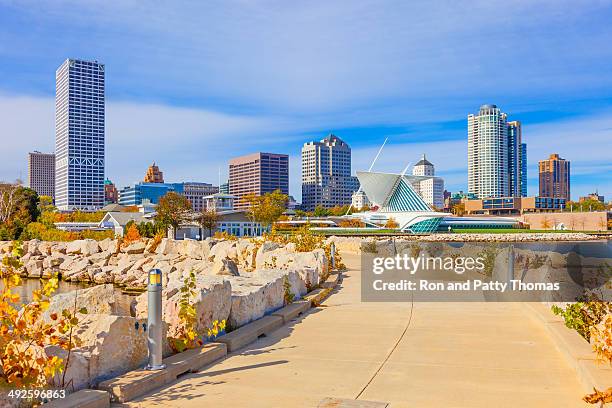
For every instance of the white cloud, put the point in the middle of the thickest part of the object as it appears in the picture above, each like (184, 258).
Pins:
(323, 56)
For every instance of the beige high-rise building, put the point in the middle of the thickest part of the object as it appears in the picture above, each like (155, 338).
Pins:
(554, 177)
(326, 174)
(154, 175)
(257, 173)
(41, 173)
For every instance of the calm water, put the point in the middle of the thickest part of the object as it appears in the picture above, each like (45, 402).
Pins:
(28, 285)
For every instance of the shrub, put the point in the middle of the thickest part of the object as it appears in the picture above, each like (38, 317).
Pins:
(225, 235)
(489, 255)
(351, 223)
(582, 316)
(391, 224)
(288, 295)
(23, 333)
(188, 336)
(601, 339)
(131, 235)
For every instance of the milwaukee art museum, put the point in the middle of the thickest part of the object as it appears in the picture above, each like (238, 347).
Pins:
(395, 198)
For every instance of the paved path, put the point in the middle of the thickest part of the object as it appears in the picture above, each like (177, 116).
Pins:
(426, 355)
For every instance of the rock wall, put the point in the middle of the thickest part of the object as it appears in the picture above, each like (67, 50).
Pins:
(354, 244)
(236, 280)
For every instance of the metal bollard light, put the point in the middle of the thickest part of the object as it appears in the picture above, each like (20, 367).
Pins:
(333, 255)
(154, 320)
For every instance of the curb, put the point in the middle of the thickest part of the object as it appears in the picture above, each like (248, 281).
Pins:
(133, 384)
(138, 382)
(82, 399)
(574, 349)
(317, 296)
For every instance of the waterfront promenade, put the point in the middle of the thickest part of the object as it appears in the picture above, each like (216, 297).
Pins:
(421, 355)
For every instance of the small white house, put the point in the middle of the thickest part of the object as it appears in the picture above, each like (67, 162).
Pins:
(118, 220)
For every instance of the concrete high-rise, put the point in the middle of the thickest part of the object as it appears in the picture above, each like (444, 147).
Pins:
(257, 173)
(554, 174)
(195, 193)
(431, 189)
(326, 174)
(496, 155)
(41, 173)
(79, 135)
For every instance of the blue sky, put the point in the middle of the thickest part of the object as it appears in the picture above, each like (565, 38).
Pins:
(192, 84)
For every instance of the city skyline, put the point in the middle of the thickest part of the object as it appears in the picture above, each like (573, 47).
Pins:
(180, 107)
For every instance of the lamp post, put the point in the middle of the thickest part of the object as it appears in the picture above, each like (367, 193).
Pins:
(154, 332)
(333, 255)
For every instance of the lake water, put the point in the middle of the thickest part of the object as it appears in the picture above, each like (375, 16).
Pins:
(28, 285)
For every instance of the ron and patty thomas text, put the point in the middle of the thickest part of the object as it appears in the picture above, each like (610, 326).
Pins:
(456, 264)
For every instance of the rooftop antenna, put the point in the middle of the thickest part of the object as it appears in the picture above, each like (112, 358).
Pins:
(219, 176)
(369, 170)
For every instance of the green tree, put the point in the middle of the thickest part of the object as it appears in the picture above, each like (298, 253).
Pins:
(267, 208)
(320, 211)
(172, 210)
(208, 219)
(18, 208)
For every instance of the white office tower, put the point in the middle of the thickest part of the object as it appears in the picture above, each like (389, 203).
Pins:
(79, 135)
(497, 156)
(488, 153)
(429, 187)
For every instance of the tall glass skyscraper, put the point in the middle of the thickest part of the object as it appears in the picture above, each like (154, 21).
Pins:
(79, 135)
(496, 155)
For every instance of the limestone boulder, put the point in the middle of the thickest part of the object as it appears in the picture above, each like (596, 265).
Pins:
(77, 370)
(224, 266)
(107, 244)
(246, 253)
(297, 261)
(168, 247)
(73, 266)
(224, 249)
(137, 247)
(53, 261)
(253, 297)
(100, 258)
(191, 249)
(212, 302)
(347, 244)
(85, 247)
(104, 275)
(99, 299)
(34, 267)
(114, 344)
(296, 282)
(89, 247)
(31, 247)
(265, 247)
(73, 247)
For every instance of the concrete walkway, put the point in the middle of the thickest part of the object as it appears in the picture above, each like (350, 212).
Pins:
(421, 355)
